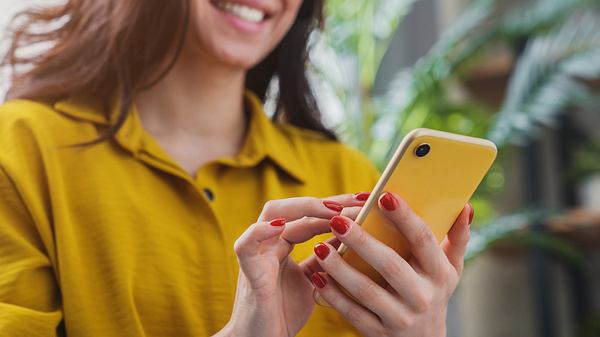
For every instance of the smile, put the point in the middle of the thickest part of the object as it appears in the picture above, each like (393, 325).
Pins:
(244, 12)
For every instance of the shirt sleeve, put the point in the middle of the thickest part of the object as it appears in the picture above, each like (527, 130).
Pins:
(30, 304)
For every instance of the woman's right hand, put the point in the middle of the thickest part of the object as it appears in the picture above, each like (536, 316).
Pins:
(274, 293)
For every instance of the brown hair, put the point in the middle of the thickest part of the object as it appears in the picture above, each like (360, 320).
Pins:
(100, 46)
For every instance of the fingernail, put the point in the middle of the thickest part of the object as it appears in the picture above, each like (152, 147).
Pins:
(321, 250)
(318, 280)
(334, 206)
(362, 196)
(277, 222)
(471, 213)
(388, 201)
(339, 224)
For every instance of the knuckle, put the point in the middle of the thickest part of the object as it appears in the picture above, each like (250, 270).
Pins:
(404, 322)
(458, 269)
(445, 274)
(422, 302)
(365, 292)
(391, 269)
(351, 212)
(352, 314)
(424, 236)
(311, 221)
(239, 247)
(306, 202)
(270, 206)
(361, 237)
(449, 273)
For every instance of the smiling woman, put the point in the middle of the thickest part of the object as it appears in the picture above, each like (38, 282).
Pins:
(134, 44)
(144, 191)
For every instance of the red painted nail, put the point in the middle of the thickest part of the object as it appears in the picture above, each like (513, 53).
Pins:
(388, 201)
(277, 222)
(362, 196)
(339, 224)
(471, 213)
(321, 250)
(333, 205)
(318, 280)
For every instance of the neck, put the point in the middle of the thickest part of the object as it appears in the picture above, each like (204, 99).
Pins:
(195, 98)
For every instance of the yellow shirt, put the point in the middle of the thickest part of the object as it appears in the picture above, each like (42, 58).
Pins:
(117, 240)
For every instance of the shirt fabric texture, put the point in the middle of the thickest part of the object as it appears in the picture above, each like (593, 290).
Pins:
(116, 239)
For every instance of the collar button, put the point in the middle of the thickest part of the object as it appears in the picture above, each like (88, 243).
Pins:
(208, 193)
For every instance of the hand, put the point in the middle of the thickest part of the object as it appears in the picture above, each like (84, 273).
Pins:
(416, 299)
(274, 293)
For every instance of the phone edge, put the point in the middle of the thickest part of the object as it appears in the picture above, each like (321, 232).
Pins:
(402, 148)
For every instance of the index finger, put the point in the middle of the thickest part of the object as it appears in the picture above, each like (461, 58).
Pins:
(298, 207)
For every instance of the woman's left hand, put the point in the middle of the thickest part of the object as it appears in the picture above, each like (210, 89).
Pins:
(416, 299)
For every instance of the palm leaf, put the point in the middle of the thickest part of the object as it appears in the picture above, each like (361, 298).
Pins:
(531, 19)
(412, 86)
(516, 229)
(546, 80)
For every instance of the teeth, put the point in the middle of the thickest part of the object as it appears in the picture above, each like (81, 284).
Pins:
(243, 12)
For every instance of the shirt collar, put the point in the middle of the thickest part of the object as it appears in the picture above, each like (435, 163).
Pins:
(264, 138)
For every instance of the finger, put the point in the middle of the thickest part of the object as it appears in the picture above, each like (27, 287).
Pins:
(298, 231)
(296, 208)
(304, 229)
(423, 243)
(248, 245)
(349, 200)
(310, 265)
(362, 319)
(351, 212)
(361, 287)
(455, 243)
(399, 274)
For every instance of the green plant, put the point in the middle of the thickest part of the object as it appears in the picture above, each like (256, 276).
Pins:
(514, 229)
(556, 47)
(586, 160)
(347, 56)
(423, 95)
(549, 78)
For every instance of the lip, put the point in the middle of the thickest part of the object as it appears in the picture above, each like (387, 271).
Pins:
(241, 24)
(250, 3)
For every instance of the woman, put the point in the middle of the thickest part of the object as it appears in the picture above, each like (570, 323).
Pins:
(140, 177)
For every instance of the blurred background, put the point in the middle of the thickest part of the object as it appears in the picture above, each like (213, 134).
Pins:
(523, 73)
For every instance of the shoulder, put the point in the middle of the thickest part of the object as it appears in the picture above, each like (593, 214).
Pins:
(21, 123)
(331, 161)
(22, 111)
(20, 118)
(40, 118)
(30, 130)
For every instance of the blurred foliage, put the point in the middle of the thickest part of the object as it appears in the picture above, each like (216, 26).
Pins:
(561, 46)
(514, 229)
(549, 77)
(587, 160)
(556, 47)
(591, 328)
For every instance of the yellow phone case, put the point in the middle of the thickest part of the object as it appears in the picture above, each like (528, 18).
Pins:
(436, 187)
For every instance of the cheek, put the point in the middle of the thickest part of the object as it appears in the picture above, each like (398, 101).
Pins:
(283, 23)
(213, 37)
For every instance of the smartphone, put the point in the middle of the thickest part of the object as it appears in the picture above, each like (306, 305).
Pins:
(436, 173)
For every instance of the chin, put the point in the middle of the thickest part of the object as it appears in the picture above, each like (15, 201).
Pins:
(241, 33)
(240, 57)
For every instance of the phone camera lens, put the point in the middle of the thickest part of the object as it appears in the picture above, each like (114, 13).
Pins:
(422, 150)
